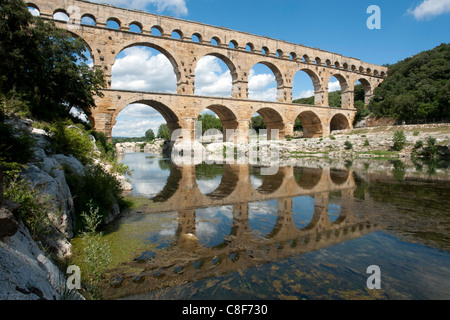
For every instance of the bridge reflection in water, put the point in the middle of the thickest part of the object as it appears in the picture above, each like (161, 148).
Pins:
(187, 258)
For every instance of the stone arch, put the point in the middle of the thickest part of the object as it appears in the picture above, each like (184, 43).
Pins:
(317, 84)
(276, 72)
(270, 183)
(198, 36)
(273, 120)
(89, 16)
(159, 30)
(116, 20)
(250, 47)
(227, 117)
(61, 11)
(338, 176)
(177, 34)
(346, 93)
(137, 24)
(339, 122)
(367, 89)
(166, 53)
(227, 184)
(35, 7)
(307, 178)
(233, 44)
(312, 125)
(217, 41)
(172, 119)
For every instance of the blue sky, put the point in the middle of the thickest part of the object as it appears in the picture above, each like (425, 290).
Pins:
(407, 28)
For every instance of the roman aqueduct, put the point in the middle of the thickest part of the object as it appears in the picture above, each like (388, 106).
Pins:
(240, 51)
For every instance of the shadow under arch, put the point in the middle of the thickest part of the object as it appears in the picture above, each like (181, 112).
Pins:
(273, 121)
(307, 178)
(339, 176)
(339, 122)
(312, 125)
(166, 53)
(227, 118)
(270, 183)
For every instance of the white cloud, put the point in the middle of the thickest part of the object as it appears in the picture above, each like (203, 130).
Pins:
(135, 120)
(305, 94)
(430, 8)
(260, 86)
(334, 86)
(211, 79)
(177, 7)
(141, 70)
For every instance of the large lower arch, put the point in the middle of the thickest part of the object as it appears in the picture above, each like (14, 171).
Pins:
(171, 118)
(273, 121)
(228, 119)
(339, 122)
(312, 125)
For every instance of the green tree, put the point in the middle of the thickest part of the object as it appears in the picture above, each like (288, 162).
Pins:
(44, 65)
(210, 121)
(257, 123)
(149, 135)
(164, 132)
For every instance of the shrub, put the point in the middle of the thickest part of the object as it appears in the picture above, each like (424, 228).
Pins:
(95, 188)
(348, 145)
(71, 140)
(419, 144)
(366, 143)
(399, 140)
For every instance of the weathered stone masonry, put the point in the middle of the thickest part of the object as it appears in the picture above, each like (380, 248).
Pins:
(182, 109)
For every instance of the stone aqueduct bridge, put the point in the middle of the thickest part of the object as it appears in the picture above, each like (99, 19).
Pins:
(240, 51)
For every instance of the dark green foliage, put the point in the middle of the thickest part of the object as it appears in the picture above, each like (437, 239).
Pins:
(164, 132)
(258, 123)
(399, 140)
(416, 88)
(210, 121)
(348, 145)
(149, 135)
(95, 188)
(43, 65)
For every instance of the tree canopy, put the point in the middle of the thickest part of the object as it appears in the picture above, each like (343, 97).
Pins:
(417, 87)
(43, 66)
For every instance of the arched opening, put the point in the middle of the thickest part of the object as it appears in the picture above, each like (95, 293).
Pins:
(218, 124)
(214, 76)
(262, 217)
(177, 34)
(339, 122)
(34, 10)
(156, 31)
(293, 56)
(216, 181)
(145, 68)
(338, 176)
(215, 41)
(311, 124)
(279, 53)
(303, 208)
(304, 86)
(88, 20)
(334, 93)
(233, 44)
(196, 37)
(249, 47)
(270, 120)
(136, 27)
(140, 116)
(263, 82)
(61, 15)
(265, 184)
(307, 178)
(213, 226)
(363, 92)
(265, 51)
(113, 23)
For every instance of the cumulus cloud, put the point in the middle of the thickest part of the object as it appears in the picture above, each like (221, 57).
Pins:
(177, 7)
(135, 120)
(260, 86)
(334, 86)
(141, 69)
(430, 8)
(211, 79)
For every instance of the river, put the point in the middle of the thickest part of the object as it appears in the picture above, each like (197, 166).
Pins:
(371, 230)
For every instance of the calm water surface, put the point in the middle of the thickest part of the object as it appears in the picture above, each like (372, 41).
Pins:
(308, 232)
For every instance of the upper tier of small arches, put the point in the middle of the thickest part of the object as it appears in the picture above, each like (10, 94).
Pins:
(208, 35)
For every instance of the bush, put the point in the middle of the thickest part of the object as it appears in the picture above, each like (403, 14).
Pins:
(95, 188)
(348, 145)
(71, 140)
(366, 143)
(419, 144)
(399, 140)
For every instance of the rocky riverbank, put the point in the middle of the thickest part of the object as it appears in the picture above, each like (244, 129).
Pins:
(26, 271)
